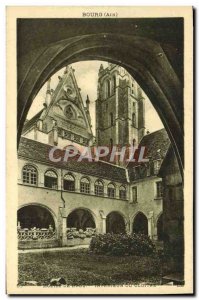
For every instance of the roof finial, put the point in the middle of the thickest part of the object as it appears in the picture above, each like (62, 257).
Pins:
(87, 102)
(101, 68)
(48, 93)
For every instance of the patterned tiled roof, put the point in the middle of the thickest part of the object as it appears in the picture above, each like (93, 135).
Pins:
(156, 144)
(39, 152)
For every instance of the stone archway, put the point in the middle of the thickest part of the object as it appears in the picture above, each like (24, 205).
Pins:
(115, 223)
(148, 65)
(80, 219)
(140, 224)
(35, 216)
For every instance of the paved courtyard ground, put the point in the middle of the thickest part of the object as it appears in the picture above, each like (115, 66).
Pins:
(79, 267)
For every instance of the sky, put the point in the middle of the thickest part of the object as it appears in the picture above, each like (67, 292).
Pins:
(86, 74)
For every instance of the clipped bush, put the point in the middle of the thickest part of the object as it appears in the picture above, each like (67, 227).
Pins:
(122, 244)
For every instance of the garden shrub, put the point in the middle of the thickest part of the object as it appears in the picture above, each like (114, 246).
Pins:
(122, 244)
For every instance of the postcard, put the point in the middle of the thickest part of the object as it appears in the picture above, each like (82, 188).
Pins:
(99, 150)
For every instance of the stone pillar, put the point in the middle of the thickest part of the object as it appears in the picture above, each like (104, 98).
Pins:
(92, 187)
(77, 183)
(105, 189)
(150, 224)
(103, 218)
(63, 231)
(127, 227)
(155, 233)
(117, 192)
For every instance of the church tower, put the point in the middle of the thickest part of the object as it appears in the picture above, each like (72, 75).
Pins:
(120, 115)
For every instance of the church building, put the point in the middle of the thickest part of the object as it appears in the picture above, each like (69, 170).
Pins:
(65, 203)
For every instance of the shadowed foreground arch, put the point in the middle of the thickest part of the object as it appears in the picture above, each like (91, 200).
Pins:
(147, 63)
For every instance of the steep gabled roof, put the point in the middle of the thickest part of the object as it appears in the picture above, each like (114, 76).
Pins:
(66, 108)
(39, 152)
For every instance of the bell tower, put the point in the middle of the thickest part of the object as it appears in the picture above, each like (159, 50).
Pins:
(120, 108)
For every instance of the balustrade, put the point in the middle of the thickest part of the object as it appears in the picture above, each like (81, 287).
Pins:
(26, 234)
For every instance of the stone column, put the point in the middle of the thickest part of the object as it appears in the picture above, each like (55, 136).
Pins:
(103, 218)
(92, 188)
(63, 231)
(150, 224)
(155, 234)
(127, 226)
(105, 189)
(77, 183)
(117, 193)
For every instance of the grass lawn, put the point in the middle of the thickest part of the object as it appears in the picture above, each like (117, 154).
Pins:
(79, 267)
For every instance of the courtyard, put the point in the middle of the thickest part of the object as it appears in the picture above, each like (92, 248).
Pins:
(80, 267)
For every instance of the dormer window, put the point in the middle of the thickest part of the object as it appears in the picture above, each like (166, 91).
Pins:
(111, 190)
(99, 188)
(29, 175)
(122, 192)
(69, 183)
(50, 179)
(85, 185)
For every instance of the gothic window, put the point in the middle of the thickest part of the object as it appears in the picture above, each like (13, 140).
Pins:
(122, 193)
(158, 189)
(108, 88)
(132, 90)
(50, 179)
(85, 185)
(69, 112)
(111, 119)
(134, 142)
(114, 84)
(99, 188)
(69, 183)
(111, 190)
(29, 174)
(133, 120)
(134, 194)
